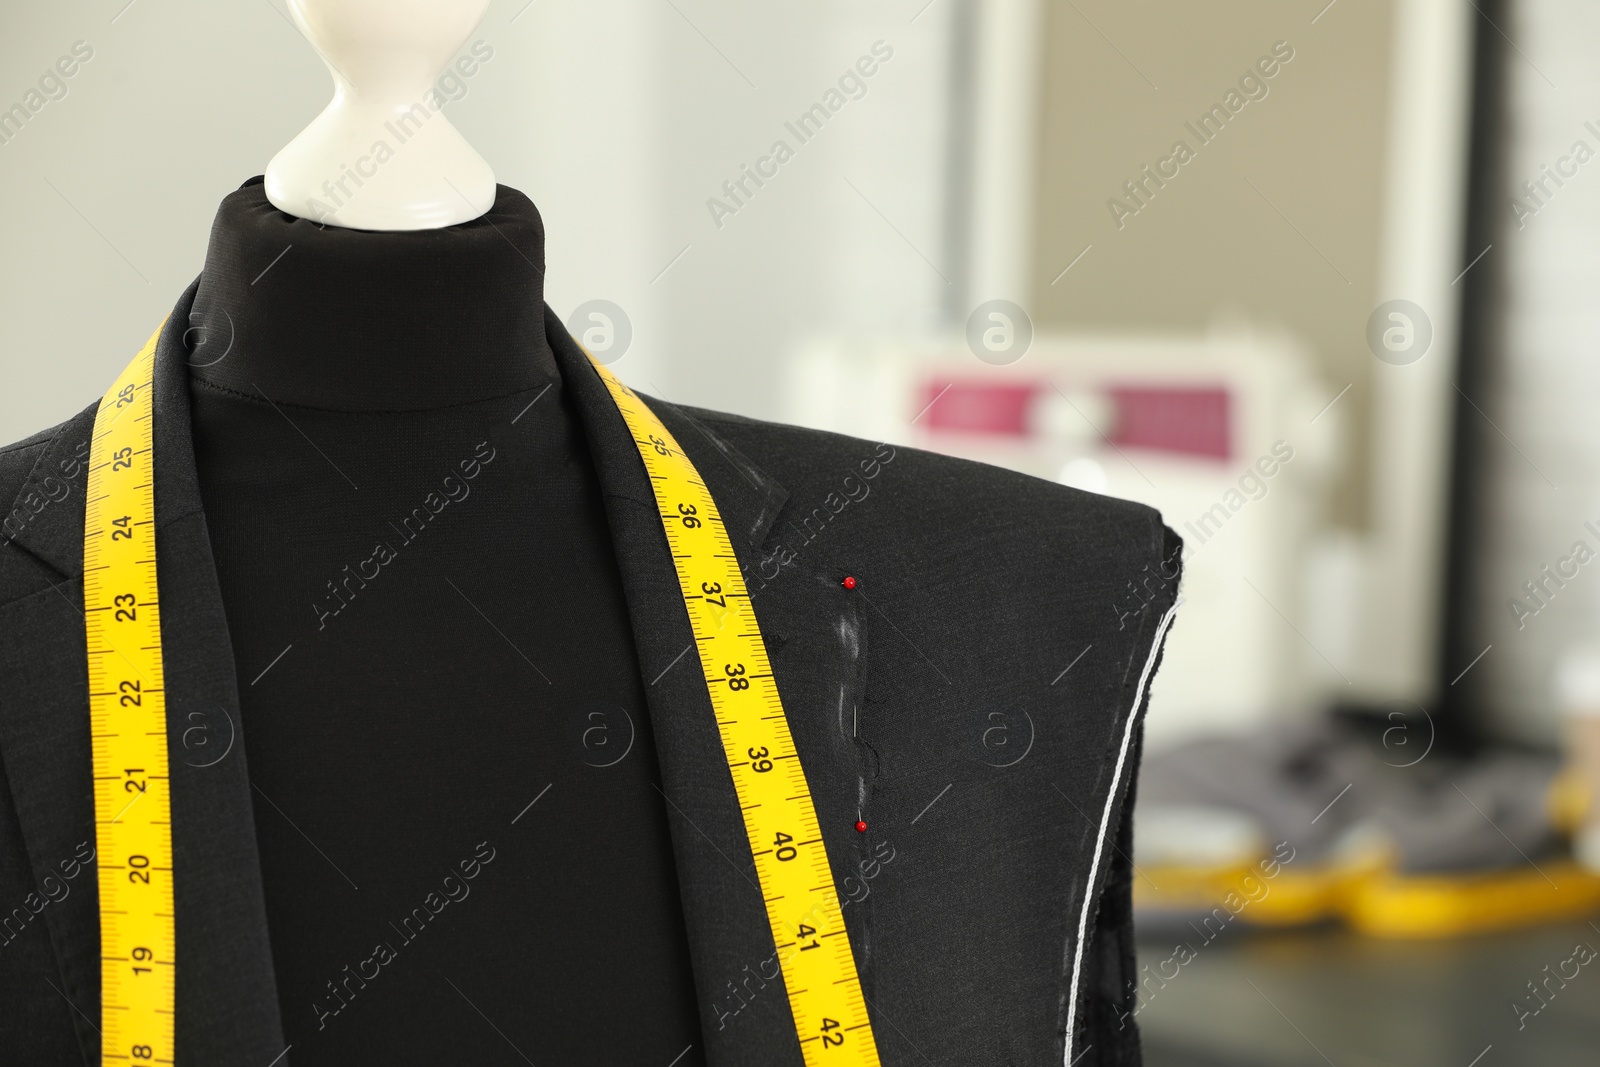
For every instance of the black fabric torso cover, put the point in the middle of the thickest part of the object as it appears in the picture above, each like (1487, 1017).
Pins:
(463, 844)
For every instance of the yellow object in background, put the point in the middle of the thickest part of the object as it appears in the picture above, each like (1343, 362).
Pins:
(1374, 898)
(1271, 893)
(1569, 801)
(1454, 905)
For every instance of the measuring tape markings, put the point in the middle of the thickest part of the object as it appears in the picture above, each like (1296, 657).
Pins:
(128, 725)
(796, 879)
(127, 711)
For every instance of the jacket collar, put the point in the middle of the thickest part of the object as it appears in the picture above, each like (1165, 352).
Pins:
(730, 940)
(748, 498)
(226, 992)
(816, 638)
(224, 965)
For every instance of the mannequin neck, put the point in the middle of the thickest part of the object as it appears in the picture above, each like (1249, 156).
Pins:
(353, 320)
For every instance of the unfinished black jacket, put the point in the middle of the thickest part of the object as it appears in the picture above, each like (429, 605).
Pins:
(990, 918)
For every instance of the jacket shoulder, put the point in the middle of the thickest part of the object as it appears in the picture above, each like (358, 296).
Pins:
(936, 493)
(18, 458)
(40, 473)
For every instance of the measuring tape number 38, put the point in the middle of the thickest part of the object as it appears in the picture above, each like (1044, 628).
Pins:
(127, 708)
(819, 969)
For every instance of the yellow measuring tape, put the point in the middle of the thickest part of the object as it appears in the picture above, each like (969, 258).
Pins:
(128, 715)
(128, 724)
(819, 968)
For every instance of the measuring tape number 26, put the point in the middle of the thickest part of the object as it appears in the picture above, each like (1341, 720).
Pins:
(128, 725)
(127, 709)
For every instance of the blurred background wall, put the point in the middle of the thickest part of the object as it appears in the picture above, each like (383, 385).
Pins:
(1278, 221)
(621, 120)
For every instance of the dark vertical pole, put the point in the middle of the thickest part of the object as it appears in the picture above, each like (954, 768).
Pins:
(1482, 291)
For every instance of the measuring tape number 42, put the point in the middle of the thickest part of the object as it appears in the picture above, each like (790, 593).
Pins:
(127, 708)
(819, 970)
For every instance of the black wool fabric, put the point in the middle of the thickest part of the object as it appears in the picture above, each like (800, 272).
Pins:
(464, 847)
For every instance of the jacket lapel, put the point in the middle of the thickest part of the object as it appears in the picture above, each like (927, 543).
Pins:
(226, 995)
(813, 637)
(44, 727)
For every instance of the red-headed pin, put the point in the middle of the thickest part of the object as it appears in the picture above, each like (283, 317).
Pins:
(849, 581)
(861, 827)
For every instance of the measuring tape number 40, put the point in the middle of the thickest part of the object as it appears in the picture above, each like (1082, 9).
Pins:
(127, 709)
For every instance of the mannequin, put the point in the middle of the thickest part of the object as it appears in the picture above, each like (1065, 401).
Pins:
(431, 355)
(379, 157)
(415, 584)
(410, 679)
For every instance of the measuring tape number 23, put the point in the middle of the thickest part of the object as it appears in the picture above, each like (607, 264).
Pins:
(127, 708)
(128, 725)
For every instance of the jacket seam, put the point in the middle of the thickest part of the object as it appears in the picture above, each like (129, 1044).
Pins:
(262, 401)
(1122, 748)
(20, 446)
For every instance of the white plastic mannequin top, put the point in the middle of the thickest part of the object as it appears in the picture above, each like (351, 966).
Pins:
(382, 156)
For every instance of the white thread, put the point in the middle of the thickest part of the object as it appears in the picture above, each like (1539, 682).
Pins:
(1105, 820)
